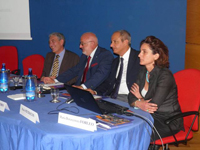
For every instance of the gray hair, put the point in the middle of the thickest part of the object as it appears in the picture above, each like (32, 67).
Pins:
(59, 35)
(125, 35)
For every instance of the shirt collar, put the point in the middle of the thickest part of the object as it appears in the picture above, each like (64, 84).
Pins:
(93, 52)
(61, 53)
(126, 55)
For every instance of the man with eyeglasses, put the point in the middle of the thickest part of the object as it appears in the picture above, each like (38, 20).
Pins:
(93, 68)
(60, 59)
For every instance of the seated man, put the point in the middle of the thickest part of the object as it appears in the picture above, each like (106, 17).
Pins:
(54, 66)
(124, 68)
(93, 68)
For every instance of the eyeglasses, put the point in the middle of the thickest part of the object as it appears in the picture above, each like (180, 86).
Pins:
(82, 44)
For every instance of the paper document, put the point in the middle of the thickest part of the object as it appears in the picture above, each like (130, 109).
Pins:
(17, 96)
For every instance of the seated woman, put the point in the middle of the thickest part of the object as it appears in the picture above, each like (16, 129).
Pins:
(155, 90)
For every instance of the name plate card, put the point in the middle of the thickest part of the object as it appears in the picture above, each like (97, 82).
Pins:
(29, 114)
(3, 106)
(77, 122)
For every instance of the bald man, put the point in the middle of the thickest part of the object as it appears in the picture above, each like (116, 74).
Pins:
(94, 65)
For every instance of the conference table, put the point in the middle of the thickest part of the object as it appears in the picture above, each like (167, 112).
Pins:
(19, 133)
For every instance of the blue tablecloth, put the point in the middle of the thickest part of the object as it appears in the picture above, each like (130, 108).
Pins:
(18, 133)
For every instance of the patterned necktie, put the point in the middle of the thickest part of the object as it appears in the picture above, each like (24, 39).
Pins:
(118, 81)
(55, 66)
(86, 69)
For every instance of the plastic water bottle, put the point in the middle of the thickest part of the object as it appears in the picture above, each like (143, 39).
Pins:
(30, 86)
(3, 79)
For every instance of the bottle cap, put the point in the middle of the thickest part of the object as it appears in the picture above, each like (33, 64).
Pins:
(30, 72)
(3, 67)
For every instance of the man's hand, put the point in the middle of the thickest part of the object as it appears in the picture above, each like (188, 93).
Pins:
(76, 86)
(52, 77)
(91, 91)
(42, 78)
(48, 80)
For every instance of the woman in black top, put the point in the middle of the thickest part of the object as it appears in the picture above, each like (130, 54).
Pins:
(155, 90)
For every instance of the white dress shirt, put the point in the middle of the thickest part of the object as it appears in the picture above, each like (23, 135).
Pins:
(123, 89)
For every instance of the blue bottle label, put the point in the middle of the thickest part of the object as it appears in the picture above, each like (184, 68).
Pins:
(30, 90)
(30, 95)
(4, 87)
(3, 83)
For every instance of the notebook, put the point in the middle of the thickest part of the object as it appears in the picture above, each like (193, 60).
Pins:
(86, 100)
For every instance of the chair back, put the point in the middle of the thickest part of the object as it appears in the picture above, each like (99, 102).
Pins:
(188, 85)
(36, 62)
(9, 56)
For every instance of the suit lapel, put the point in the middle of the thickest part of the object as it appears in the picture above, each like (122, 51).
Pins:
(51, 59)
(63, 62)
(94, 60)
(130, 64)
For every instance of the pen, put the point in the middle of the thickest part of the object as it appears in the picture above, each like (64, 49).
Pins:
(69, 101)
(63, 97)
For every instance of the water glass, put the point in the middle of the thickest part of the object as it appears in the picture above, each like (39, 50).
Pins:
(39, 90)
(55, 95)
(15, 80)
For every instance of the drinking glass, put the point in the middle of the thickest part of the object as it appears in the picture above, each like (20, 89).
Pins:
(15, 80)
(55, 95)
(39, 90)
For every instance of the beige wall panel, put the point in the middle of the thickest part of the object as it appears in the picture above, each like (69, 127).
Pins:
(192, 56)
(193, 22)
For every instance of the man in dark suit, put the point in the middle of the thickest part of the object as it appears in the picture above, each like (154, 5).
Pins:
(93, 68)
(66, 60)
(120, 43)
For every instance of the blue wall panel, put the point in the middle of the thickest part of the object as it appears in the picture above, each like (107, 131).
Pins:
(165, 19)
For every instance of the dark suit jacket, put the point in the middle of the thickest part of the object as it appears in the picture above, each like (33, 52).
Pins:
(97, 72)
(107, 86)
(163, 92)
(70, 59)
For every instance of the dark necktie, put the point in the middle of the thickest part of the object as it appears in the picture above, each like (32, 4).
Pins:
(117, 84)
(86, 69)
(55, 66)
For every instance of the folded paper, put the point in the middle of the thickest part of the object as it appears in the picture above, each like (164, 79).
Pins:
(3, 106)
(29, 114)
(77, 122)
(17, 96)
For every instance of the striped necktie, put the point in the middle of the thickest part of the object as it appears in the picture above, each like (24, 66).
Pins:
(55, 66)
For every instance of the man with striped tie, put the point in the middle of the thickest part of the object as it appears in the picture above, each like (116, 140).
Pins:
(60, 59)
